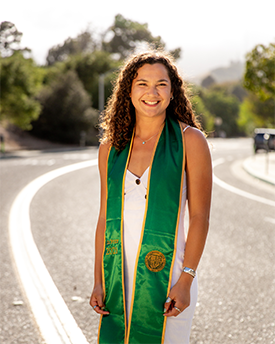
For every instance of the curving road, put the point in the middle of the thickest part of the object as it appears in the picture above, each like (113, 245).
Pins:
(236, 274)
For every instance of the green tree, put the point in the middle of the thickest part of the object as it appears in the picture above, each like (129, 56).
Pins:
(255, 113)
(230, 88)
(20, 82)
(52, 73)
(66, 111)
(83, 43)
(10, 39)
(204, 116)
(89, 67)
(259, 75)
(265, 110)
(224, 107)
(259, 79)
(248, 119)
(127, 35)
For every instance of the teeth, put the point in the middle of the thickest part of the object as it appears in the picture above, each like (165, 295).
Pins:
(150, 103)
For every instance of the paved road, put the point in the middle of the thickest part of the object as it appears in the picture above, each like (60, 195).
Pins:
(16, 322)
(236, 275)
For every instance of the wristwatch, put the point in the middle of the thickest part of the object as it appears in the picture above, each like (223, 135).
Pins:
(189, 271)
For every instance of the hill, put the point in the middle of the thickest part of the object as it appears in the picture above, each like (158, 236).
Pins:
(233, 72)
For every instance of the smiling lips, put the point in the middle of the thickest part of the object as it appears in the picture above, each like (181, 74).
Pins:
(147, 102)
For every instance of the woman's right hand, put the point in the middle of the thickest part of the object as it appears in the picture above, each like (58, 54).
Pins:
(96, 300)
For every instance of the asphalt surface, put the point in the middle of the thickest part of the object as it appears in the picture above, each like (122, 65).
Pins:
(236, 273)
(17, 170)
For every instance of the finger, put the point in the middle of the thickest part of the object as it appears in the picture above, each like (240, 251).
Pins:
(100, 301)
(177, 309)
(167, 304)
(99, 310)
(98, 306)
(173, 312)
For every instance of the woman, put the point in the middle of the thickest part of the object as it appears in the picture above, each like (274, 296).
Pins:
(152, 158)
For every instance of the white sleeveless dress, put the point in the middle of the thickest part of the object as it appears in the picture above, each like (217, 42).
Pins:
(177, 328)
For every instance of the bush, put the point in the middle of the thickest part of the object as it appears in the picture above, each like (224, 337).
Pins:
(66, 111)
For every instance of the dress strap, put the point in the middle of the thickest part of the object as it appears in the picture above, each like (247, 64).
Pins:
(188, 126)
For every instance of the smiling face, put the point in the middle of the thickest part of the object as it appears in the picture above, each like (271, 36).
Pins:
(151, 91)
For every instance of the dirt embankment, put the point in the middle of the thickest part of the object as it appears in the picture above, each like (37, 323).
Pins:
(17, 139)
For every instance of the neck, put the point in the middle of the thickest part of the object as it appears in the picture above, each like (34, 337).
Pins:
(147, 128)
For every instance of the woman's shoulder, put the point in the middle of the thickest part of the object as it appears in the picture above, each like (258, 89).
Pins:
(195, 141)
(192, 132)
(103, 153)
(104, 147)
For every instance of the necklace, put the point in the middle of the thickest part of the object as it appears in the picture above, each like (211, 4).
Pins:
(144, 141)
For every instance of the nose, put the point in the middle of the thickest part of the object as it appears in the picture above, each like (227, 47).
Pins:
(152, 91)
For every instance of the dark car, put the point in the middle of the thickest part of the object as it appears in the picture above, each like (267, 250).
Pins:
(264, 138)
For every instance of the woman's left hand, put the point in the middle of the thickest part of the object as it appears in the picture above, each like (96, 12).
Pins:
(178, 299)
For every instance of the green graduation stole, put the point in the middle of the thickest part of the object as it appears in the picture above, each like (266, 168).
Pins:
(157, 246)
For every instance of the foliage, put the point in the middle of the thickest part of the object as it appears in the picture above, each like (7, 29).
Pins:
(88, 68)
(10, 39)
(66, 111)
(127, 35)
(204, 116)
(259, 79)
(70, 83)
(248, 119)
(220, 104)
(176, 53)
(265, 110)
(238, 91)
(259, 76)
(20, 82)
(231, 89)
(83, 43)
(51, 73)
(224, 107)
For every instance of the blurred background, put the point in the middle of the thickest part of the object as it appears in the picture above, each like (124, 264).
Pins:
(58, 60)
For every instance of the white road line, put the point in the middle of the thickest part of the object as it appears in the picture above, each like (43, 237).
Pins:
(239, 191)
(52, 315)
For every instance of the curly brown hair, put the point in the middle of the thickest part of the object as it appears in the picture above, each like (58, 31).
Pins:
(118, 121)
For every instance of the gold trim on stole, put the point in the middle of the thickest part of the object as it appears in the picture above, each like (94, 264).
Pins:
(102, 261)
(176, 233)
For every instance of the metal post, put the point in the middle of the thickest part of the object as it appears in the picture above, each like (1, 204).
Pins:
(82, 141)
(2, 143)
(101, 94)
(266, 138)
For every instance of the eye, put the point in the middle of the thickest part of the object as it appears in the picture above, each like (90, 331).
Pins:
(141, 84)
(162, 84)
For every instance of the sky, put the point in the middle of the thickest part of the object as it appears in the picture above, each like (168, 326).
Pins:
(211, 33)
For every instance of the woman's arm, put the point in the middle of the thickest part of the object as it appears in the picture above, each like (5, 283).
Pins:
(199, 187)
(97, 294)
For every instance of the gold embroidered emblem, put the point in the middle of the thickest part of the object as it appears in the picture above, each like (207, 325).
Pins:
(155, 261)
